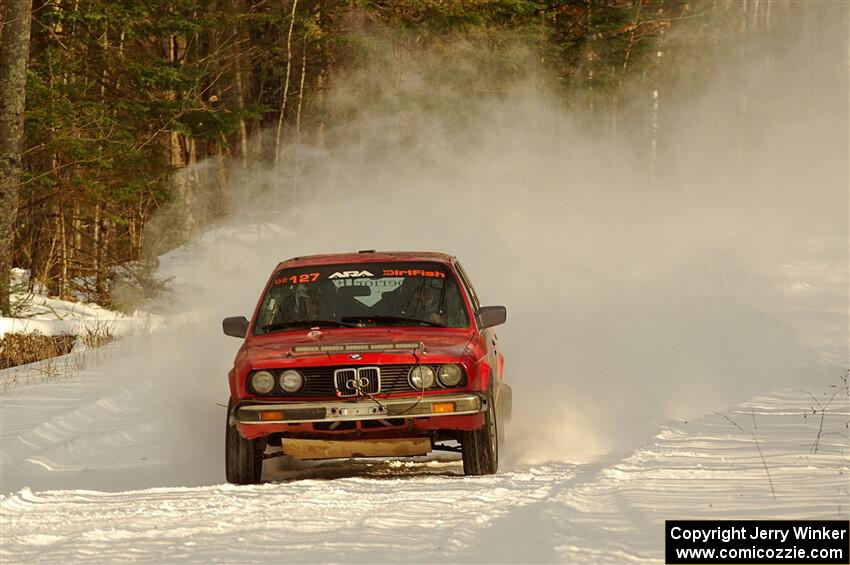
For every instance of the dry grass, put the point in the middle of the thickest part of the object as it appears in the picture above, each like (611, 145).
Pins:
(98, 333)
(23, 348)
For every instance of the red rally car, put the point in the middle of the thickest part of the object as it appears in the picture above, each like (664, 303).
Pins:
(369, 354)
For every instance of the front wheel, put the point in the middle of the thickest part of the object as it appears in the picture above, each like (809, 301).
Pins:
(243, 457)
(480, 448)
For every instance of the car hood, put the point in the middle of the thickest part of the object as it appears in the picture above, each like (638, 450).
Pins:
(371, 342)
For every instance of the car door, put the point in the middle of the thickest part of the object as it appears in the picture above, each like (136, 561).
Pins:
(490, 340)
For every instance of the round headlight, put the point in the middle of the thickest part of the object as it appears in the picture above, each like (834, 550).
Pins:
(291, 381)
(421, 377)
(449, 375)
(262, 382)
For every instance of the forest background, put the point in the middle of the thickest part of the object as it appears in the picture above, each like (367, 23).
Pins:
(118, 141)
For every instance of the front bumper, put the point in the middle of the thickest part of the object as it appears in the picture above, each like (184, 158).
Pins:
(366, 409)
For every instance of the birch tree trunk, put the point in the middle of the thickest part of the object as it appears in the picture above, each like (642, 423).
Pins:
(281, 117)
(14, 55)
(96, 245)
(243, 128)
(300, 104)
(64, 293)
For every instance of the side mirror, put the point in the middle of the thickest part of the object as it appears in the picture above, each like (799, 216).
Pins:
(236, 326)
(492, 316)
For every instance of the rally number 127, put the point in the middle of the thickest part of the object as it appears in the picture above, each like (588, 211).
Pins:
(298, 279)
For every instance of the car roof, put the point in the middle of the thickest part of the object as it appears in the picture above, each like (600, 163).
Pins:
(366, 256)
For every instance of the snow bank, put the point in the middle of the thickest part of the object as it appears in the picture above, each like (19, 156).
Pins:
(47, 315)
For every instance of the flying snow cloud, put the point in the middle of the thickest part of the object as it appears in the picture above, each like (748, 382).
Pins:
(629, 301)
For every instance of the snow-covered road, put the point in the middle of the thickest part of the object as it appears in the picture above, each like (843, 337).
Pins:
(117, 454)
(421, 510)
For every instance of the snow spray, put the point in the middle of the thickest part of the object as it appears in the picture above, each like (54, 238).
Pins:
(641, 284)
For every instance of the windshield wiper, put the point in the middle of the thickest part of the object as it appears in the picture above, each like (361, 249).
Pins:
(297, 323)
(394, 319)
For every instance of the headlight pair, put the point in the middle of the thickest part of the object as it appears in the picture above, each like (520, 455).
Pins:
(423, 377)
(290, 381)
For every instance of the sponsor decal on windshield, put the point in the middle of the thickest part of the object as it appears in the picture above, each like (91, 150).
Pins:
(297, 279)
(372, 273)
(350, 274)
(413, 273)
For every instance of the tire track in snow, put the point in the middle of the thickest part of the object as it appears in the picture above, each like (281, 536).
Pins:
(419, 518)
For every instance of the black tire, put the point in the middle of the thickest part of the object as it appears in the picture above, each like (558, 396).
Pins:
(243, 457)
(480, 448)
(506, 402)
(503, 410)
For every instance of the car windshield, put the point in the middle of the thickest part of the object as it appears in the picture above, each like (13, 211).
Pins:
(363, 295)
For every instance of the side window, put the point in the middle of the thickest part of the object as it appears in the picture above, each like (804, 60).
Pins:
(470, 290)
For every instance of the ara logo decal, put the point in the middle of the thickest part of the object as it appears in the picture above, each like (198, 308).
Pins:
(349, 274)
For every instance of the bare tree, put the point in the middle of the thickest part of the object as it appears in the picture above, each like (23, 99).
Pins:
(285, 82)
(14, 55)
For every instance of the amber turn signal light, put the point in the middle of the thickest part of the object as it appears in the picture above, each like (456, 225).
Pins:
(271, 415)
(442, 407)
